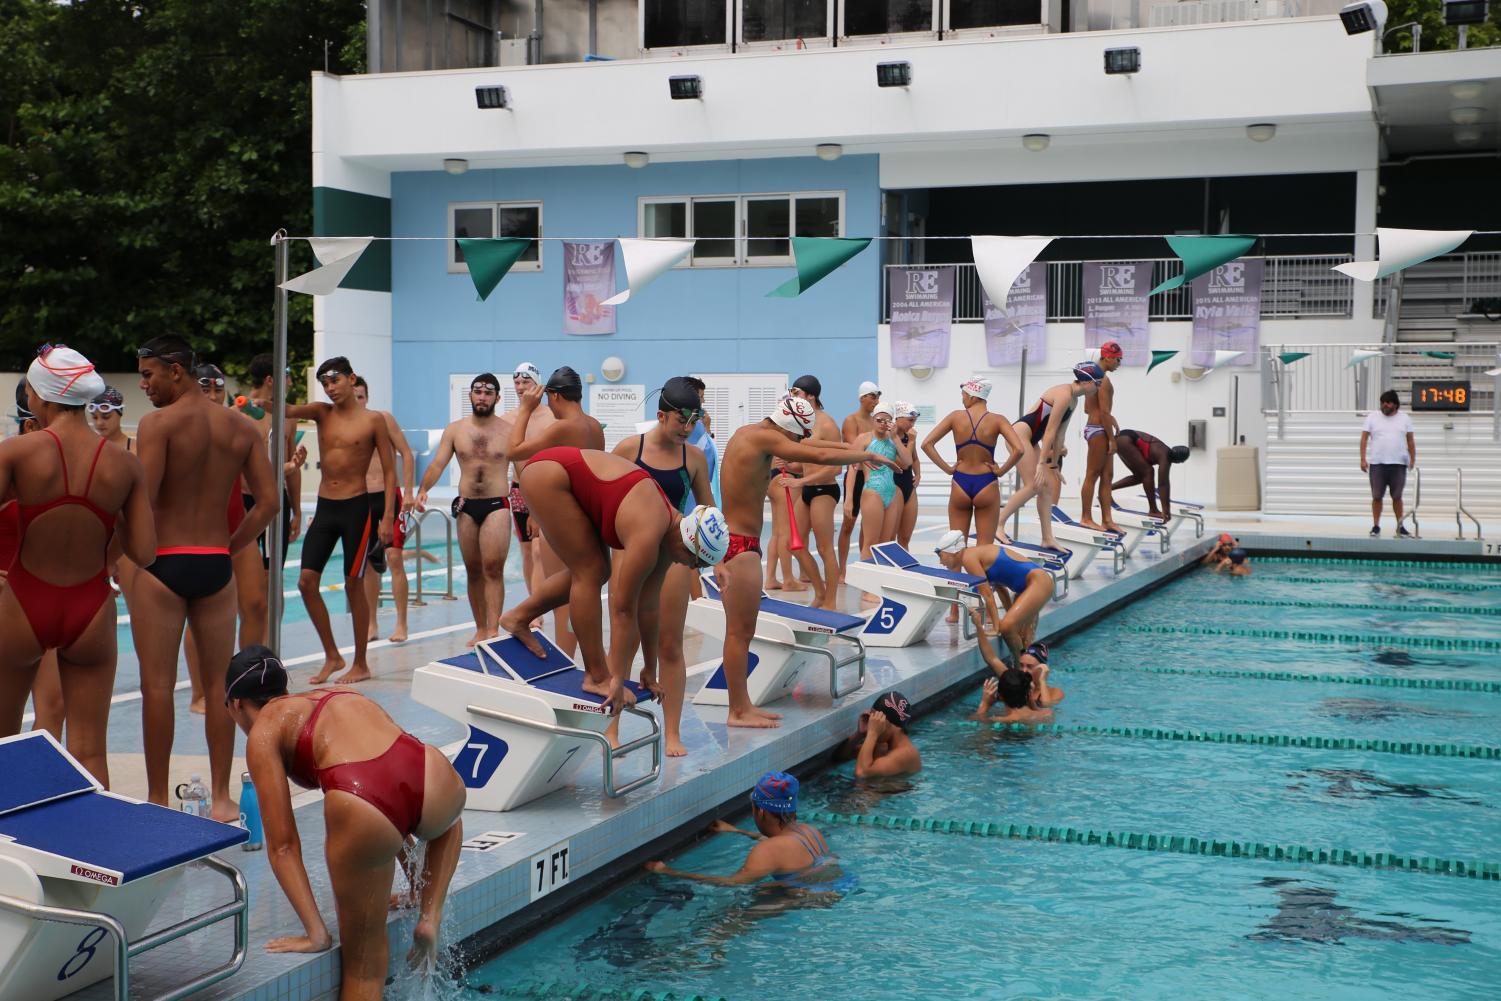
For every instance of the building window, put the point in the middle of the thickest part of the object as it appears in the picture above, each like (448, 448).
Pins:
(672, 24)
(742, 230)
(887, 17)
(776, 20)
(993, 13)
(483, 220)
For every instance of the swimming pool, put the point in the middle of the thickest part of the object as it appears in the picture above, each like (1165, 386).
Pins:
(1187, 766)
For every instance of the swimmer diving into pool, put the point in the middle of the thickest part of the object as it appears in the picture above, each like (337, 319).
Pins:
(786, 852)
(382, 787)
(1151, 462)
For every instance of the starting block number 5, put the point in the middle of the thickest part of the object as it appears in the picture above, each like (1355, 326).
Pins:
(549, 870)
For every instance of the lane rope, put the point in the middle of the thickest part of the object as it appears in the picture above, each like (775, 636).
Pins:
(1450, 586)
(1307, 636)
(1178, 844)
(586, 992)
(1333, 561)
(1352, 606)
(1374, 681)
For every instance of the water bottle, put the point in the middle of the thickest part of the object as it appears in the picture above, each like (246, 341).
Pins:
(250, 815)
(194, 797)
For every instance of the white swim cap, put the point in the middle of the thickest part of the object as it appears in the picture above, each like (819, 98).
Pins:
(706, 534)
(526, 370)
(952, 541)
(901, 408)
(62, 375)
(794, 414)
(883, 408)
(976, 386)
(868, 388)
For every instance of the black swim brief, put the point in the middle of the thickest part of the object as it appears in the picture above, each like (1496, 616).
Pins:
(345, 521)
(821, 490)
(479, 508)
(192, 572)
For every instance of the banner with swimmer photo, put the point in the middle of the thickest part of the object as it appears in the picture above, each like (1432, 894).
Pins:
(1115, 308)
(588, 280)
(1023, 324)
(922, 315)
(1227, 312)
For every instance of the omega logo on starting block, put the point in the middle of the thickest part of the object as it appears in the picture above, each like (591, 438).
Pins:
(95, 875)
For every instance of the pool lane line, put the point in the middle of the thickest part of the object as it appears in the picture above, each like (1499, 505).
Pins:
(1309, 636)
(1374, 681)
(585, 992)
(1448, 586)
(1178, 844)
(1351, 606)
(1332, 561)
(1411, 747)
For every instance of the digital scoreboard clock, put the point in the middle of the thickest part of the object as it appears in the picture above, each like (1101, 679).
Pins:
(1441, 394)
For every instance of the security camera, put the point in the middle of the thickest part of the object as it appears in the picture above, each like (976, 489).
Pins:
(1363, 16)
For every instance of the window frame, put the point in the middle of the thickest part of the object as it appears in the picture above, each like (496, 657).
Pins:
(462, 267)
(742, 257)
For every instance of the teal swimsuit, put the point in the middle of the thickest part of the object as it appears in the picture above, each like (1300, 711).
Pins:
(882, 480)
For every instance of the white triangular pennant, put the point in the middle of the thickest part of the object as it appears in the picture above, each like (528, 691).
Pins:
(337, 255)
(645, 261)
(1402, 248)
(1223, 357)
(1000, 259)
(1362, 354)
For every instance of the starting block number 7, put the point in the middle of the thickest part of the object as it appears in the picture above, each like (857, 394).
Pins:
(549, 870)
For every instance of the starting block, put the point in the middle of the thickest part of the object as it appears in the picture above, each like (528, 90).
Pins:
(1185, 511)
(1145, 523)
(912, 596)
(1051, 560)
(789, 639)
(528, 721)
(1087, 543)
(84, 871)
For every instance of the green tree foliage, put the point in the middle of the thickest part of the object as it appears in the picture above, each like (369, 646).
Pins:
(148, 151)
(1437, 35)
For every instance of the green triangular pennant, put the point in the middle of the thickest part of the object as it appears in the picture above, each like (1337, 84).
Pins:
(1158, 357)
(1446, 355)
(1288, 357)
(489, 260)
(816, 258)
(1201, 254)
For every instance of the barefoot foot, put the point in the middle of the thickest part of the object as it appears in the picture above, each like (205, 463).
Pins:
(198, 706)
(752, 719)
(510, 624)
(225, 811)
(330, 665)
(772, 584)
(1091, 524)
(399, 636)
(793, 585)
(675, 748)
(353, 676)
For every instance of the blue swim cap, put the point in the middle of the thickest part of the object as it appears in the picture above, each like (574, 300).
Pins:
(776, 793)
(1237, 556)
(1088, 371)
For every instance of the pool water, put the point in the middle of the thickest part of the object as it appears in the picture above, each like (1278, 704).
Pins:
(942, 915)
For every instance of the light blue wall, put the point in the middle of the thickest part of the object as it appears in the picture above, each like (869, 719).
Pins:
(701, 319)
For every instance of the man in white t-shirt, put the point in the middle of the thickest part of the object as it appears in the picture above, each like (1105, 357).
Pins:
(1387, 452)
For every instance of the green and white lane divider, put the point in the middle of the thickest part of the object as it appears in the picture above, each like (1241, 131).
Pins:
(1467, 586)
(1312, 636)
(1373, 681)
(1333, 561)
(1352, 606)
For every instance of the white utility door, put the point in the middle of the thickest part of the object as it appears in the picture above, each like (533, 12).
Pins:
(735, 399)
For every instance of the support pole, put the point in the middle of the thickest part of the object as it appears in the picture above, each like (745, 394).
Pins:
(275, 543)
(1021, 408)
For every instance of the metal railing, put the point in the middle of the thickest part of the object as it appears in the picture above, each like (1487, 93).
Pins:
(1443, 287)
(1417, 498)
(416, 546)
(1292, 288)
(609, 754)
(1324, 381)
(1459, 506)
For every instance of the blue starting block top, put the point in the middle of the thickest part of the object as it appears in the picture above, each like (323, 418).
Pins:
(837, 621)
(1057, 555)
(893, 555)
(65, 815)
(1062, 517)
(555, 673)
(1139, 514)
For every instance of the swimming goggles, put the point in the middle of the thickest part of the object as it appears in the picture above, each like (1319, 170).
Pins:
(216, 381)
(690, 416)
(330, 377)
(172, 357)
(105, 408)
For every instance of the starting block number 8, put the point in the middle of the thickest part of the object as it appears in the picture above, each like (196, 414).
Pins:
(86, 947)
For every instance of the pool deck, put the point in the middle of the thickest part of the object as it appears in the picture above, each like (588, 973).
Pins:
(491, 900)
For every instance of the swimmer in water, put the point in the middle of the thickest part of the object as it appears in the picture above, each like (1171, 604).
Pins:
(884, 748)
(1219, 551)
(1023, 689)
(1024, 586)
(786, 852)
(1042, 431)
(1236, 563)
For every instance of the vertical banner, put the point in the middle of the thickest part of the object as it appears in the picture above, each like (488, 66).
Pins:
(588, 280)
(1227, 312)
(1115, 308)
(1023, 323)
(922, 315)
(619, 407)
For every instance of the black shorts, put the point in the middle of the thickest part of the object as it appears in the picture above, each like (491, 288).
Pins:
(191, 575)
(1388, 476)
(478, 508)
(344, 521)
(821, 490)
(375, 552)
(262, 542)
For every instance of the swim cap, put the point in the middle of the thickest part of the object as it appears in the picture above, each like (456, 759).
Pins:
(883, 408)
(565, 382)
(526, 370)
(22, 414)
(486, 380)
(1088, 371)
(1178, 453)
(895, 707)
(255, 673)
(1226, 537)
(208, 370)
(706, 534)
(901, 409)
(952, 541)
(61, 375)
(776, 793)
(1237, 556)
(868, 388)
(976, 386)
(1110, 349)
(111, 395)
(794, 414)
(678, 393)
(809, 384)
(1038, 650)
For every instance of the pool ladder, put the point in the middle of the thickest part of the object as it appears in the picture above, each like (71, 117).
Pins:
(1417, 498)
(416, 537)
(1459, 509)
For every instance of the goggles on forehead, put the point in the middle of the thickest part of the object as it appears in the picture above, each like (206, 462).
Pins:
(328, 377)
(171, 357)
(217, 381)
(105, 408)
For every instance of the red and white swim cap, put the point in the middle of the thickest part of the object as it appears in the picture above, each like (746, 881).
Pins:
(794, 414)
